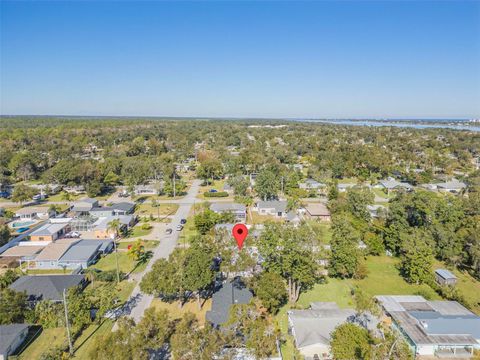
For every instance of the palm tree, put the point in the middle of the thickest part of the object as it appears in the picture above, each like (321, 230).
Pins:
(114, 227)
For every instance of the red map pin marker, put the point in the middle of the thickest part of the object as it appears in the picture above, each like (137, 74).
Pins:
(240, 232)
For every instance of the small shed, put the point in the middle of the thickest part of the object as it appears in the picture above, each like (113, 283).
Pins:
(445, 277)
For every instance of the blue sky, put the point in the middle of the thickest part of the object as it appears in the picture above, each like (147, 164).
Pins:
(241, 59)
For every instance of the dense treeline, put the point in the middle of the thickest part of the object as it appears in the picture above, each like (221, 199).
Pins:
(79, 150)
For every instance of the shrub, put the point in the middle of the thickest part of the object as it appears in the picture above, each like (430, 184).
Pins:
(215, 194)
(146, 226)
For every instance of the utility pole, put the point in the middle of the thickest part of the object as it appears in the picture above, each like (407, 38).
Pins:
(282, 184)
(116, 257)
(70, 346)
(174, 189)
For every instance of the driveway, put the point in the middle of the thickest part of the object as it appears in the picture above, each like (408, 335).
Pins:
(167, 245)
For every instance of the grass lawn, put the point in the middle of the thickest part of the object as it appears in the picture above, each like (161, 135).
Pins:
(468, 286)
(48, 272)
(146, 209)
(125, 263)
(383, 279)
(49, 338)
(217, 185)
(149, 244)
(188, 231)
(59, 197)
(84, 343)
(253, 217)
(176, 313)
(382, 194)
(137, 231)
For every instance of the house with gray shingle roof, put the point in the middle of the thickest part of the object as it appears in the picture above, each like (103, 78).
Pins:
(311, 328)
(47, 287)
(231, 293)
(11, 337)
(238, 210)
(277, 208)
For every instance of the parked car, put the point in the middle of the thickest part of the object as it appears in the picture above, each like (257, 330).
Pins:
(213, 190)
(168, 231)
(39, 197)
(183, 221)
(179, 227)
(4, 194)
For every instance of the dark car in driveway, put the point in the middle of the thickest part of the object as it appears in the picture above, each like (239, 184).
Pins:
(183, 221)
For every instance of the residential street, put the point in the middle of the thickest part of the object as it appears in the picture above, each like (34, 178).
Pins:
(167, 244)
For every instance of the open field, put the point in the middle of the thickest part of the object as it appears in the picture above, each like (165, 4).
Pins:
(175, 312)
(125, 263)
(146, 209)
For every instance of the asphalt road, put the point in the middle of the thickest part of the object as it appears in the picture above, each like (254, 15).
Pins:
(167, 244)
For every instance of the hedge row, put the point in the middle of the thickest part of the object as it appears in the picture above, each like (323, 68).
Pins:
(215, 194)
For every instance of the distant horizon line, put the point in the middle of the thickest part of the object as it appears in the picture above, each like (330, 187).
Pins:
(199, 117)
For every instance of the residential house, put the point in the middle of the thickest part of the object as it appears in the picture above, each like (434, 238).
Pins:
(101, 211)
(317, 211)
(149, 189)
(232, 292)
(49, 256)
(312, 185)
(452, 186)
(47, 287)
(101, 227)
(238, 210)
(376, 211)
(391, 184)
(76, 189)
(47, 188)
(445, 277)
(276, 208)
(444, 329)
(35, 213)
(50, 232)
(345, 186)
(11, 337)
(123, 208)
(84, 206)
(312, 328)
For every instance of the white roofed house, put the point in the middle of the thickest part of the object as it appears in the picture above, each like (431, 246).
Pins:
(312, 185)
(276, 208)
(452, 186)
(239, 211)
(391, 184)
(37, 212)
(84, 206)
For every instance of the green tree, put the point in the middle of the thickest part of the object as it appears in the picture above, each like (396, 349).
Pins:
(270, 289)
(198, 274)
(350, 342)
(344, 260)
(13, 306)
(4, 234)
(205, 221)
(417, 258)
(191, 342)
(267, 185)
(22, 193)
